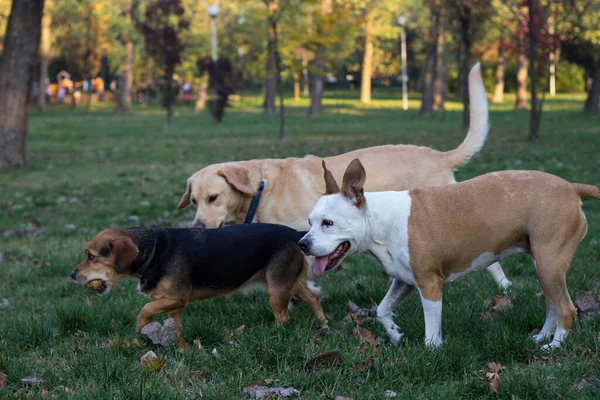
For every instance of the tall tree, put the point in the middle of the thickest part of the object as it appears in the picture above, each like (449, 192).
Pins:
(521, 98)
(318, 75)
(367, 66)
(271, 62)
(498, 96)
(127, 71)
(163, 26)
(431, 63)
(441, 77)
(470, 15)
(44, 57)
(16, 74)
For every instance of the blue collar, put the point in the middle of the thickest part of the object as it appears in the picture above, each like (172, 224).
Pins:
(254, 203)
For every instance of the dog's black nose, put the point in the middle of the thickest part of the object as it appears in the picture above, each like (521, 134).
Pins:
(198, 224)
(304, 244)
(73, 275)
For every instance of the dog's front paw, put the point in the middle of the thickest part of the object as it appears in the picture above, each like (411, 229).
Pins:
(540, 337)
(396, 335)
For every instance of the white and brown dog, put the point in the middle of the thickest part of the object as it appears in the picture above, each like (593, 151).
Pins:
(283, 191)
(425, 237)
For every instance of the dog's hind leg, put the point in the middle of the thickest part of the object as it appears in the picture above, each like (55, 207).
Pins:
(549, 325)
(177, 316)
(385, 311)
(302, 291)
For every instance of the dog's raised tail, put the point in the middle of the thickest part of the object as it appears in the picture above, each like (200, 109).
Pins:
(478, 123)
(586, 190)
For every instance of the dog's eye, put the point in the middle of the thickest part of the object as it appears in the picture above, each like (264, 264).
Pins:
(213, 198)
(327, 223)
(309, 224)
(193, 201)
(91, 256)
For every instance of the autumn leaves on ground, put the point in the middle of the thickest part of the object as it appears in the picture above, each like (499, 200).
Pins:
(91, 169)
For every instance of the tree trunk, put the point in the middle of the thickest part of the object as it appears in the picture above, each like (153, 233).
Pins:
(521, 100)
(270, 67)
(296, 87)
(367, 67)
(44, 59)
(127, 80)
(202, 96)
(499, 85)
(465, 22)
(430, 73)
(318, 77)
(593, 98)
(305, 90)
(16, 74)
(440, 83)
(536, 113)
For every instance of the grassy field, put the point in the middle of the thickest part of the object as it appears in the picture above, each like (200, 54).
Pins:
(91, 169)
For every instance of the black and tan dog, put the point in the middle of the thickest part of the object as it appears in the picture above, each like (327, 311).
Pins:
(176, 266)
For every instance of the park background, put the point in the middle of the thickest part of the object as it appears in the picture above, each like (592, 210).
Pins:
(118, 153)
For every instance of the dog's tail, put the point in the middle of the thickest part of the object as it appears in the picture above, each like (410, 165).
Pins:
(478, 123)
(586, 190)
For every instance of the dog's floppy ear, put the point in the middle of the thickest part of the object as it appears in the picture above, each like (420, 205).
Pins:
(353, 183)
(185, 199)
(331, 186)
(125, 253)
(238, 176)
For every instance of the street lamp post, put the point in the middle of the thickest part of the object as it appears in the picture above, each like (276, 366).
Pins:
(402, 23)
(213, 11)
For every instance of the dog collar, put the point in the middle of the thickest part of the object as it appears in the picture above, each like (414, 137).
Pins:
(254, 203)
(143, 268)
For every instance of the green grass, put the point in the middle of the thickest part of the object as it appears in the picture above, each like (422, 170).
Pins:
(91, 169)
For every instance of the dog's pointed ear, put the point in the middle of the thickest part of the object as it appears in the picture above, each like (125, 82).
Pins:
(354, 182)
(124, 251)
(238, 176)
(331, 186)
(185, 199)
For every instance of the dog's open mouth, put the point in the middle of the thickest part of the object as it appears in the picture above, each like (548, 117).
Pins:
(97, 285)
(322, 264)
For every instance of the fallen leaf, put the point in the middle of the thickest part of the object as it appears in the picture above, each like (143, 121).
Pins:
(330, 358)
(44, 393)
(268, 381)
(32, 380)
(541, 358)
(4, 303)
(3, 377)
(258, 392)
(215, 352)
(390, 393)
(198, 344)
(486, 315)
(494, 376)
(344, 398)
(365, 366)
(586, 304)
(137, 343)
(540, 293)
(163, 335)
(366, 336)
(502, 303)
(240, 329)
(585, 381)
(151, 363)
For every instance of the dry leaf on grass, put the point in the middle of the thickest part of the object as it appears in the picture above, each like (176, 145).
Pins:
(163, 335)
(366, 336)
(502, 303)
(586, 304)
(228, 337)
(365, 366)
(585, 381)
(259, 392)
(150, 362)
(390, 393)
(3, 377)
(344, 398)
(183, 346)
(486, 315)
(330, 359)
(493, 376)
(32, 380)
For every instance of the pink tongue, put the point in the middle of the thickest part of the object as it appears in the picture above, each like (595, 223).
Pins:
(319, 265)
